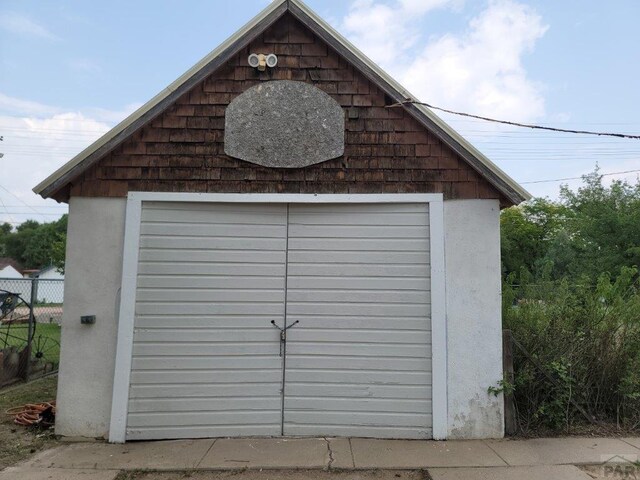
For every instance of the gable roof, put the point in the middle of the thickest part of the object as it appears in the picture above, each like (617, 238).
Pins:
(10, 262)
(85, 159)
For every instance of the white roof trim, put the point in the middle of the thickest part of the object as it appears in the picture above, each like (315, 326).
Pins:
(513, 190)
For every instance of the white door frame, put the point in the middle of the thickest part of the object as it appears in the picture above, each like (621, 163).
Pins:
(124, 348)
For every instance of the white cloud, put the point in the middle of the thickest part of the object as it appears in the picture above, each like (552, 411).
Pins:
(20, 24)
(479, 70)
(38, 139)
(17, 106)
(386, 31)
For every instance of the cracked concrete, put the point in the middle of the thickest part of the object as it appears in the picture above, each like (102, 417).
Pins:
(330, 452)
(471, 459)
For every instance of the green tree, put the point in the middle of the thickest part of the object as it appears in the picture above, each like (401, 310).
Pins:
(37, 245)
(5, 231)
(605, 225)
(588, 232)
(528, 232)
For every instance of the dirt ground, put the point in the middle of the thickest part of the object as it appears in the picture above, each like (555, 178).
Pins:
(17, 443)
(279, 475)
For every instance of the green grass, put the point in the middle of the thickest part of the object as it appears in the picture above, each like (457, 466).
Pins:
(46, 339)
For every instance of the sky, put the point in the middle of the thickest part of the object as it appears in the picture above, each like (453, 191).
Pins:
(70, 70)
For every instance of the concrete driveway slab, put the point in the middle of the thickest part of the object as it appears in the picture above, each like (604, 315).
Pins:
(407, 454)
(635, 441)
(540, 472)
(56, 474)
(341, 456)
(169, 455)
(561, 451)
(238, 453)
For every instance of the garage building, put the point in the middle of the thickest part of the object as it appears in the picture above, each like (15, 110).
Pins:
(281, 243)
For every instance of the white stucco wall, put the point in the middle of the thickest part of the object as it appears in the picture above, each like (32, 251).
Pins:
(92, 283)
(474, 321)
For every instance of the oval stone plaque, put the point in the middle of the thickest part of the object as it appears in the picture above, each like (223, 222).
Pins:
(284, 124)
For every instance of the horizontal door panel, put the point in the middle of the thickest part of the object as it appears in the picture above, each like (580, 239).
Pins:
(179, 256)
(183, 381)
(379, 219)
(199, 295)
(413, 297)
(200, 322)
(407, 283)
(213, 243)
(194, 335)
(358, 309)
(356, 392)
(350, 362)
(213, 230)
(212, 404)
(196, 418)
(354, 326)
(357, 209)
(203, 431)
(223, 282)
(200, 348)
(361, 405)
(358, 257)
(380, 351)
(219, 308)
(205, 363)
(218, 390)
(198, 269)
(359, 244)
(372, 419)
(297, 231)
(381, 270)
(356, 376)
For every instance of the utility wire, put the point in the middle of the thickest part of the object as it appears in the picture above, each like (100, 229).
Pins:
(21, 201)
(577, 178)
(516, 124)
(7, 210)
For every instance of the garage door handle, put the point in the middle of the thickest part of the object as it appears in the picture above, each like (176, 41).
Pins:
(283, 333)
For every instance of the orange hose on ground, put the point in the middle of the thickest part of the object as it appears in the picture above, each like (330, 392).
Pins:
(32, 413)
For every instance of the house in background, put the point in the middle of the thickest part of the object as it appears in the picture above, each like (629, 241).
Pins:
(282, 183)
(9, 268)
(15, 279)
(49, 273)
(50, 285)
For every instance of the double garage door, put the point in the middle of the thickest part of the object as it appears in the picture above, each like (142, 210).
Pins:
(218, 282)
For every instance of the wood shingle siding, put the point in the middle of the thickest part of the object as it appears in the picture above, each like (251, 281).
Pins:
(181, 150)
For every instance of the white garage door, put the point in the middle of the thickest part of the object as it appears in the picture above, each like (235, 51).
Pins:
(206, 362)
(359, 361)
(212, 277)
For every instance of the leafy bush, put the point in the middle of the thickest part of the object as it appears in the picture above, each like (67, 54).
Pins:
(587, 337)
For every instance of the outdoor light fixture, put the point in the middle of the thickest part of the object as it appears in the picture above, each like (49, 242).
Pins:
(262, 61)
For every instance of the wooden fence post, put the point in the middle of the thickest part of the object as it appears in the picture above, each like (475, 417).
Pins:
(510, 423)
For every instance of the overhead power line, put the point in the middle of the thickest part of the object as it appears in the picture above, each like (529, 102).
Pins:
(578, 178)
(517, 124)
(20, 200)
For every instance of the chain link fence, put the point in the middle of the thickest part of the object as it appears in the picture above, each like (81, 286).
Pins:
(30, 316)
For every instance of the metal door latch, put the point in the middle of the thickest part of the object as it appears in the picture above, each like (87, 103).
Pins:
(283, 334)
